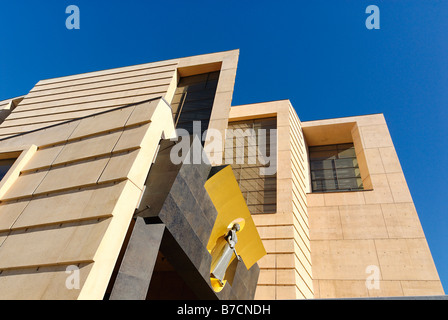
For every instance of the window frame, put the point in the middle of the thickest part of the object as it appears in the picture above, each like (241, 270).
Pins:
(337, 148)
(22, 155)
(270, 194)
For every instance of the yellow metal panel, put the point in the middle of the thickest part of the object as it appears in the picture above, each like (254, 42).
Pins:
(229, 202)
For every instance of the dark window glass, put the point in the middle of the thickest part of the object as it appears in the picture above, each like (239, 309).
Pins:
(5, 165)
(193, 100)
(259, 191)
(334, 168)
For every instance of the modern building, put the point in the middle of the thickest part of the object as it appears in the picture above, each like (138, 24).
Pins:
(101, 198)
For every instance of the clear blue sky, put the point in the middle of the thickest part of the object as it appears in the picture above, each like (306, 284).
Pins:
(316, 53)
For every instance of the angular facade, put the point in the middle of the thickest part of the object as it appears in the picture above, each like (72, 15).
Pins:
(372, 231)
(95, 173)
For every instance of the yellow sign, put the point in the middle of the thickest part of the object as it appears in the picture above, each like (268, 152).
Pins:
(225, 194)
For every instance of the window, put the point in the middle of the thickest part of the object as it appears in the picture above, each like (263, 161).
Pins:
(259, 191)
(334, 168)
(5, 165)
(193, 100)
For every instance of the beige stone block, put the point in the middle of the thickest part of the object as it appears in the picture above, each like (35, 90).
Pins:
(139, 170)
(34, 247)
(88, 147)
(221, 105)
(13, 131)
(381, 192)
(95, 202)
(367, 183)
(132, 138)
(226, 80)
(286, 276)
(361, 121)
(301, 296)
(405, 259)
(276, 232)
(119, 166)
(205, 59)
(302, 231)
(109, 74)
(284, 195)
(363, 167)
(64, 244)
(422, 288)
(315, 200)
(111, 90)
(303, 275)
(335, 133)
(325, 223)
(79, 174)
(52, 135)
(287, 117)
(287, 292)
(102, 122)
(279, 108)
(230, 60)
(9, 212)
(376, 136)
(25, 185)
(374, 162)
(12, 143)
(370, 120)
(44, 283)
(386, 289)
(284, 165)
(330, 289)
(343, 198)
(267, 261)
(273, 219)
(109, 248)
(138, 162)
(265, 293)
(284, 139)
(144, 112)
(266, 232)
(85, 240)
(52, 116)
(43, 158)
(342, 259)
(399, 187)
(285, 260)
(57, 290)
(96, 105)
(217, 124)
(402, 220)
(316, 289)
(111, 96)
(25, 284)
(172, 87)
(139, 78)
(302, 248)
(362, 222)
(390, 160)
(357, 140)
(267, 277)
(279, 246)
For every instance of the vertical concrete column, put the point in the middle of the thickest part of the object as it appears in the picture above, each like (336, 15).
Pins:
(138, 263)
